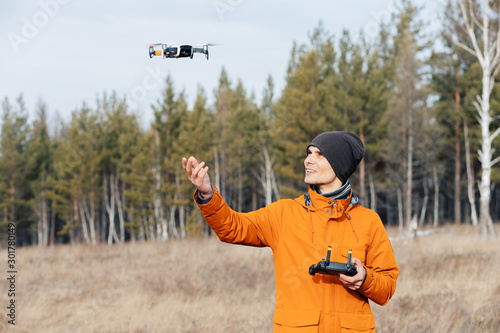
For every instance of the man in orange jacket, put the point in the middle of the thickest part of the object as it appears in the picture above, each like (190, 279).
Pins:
(300, 231)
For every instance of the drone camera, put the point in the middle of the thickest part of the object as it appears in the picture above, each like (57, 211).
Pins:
(153, 52)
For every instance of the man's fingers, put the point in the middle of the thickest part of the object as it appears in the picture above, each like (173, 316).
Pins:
(196, 171)
(191, 162)
(197, 168)
(203, 173)
(189, 165)
(354, 282)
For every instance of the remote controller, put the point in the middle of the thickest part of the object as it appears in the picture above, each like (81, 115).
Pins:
(334, 268)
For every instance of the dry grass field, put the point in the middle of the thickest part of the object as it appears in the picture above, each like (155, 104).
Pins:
(449, 282)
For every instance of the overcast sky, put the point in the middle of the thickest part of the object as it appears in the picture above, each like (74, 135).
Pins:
(65, 52)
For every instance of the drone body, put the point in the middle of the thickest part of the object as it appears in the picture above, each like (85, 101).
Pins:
(177, 50)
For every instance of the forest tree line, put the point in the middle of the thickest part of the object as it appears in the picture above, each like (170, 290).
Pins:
(415, 101)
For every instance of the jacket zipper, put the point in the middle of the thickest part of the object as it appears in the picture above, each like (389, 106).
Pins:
(333, 206)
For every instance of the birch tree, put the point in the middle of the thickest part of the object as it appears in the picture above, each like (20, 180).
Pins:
(113, 123)
(470, 177)
(84, 137)
(448, 66)
(484, 43)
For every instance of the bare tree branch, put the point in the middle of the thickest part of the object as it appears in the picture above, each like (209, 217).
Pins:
(495, 161)
(477, 106)
(474, 18)
(466, 48)
(495, 134)
(479, 99)
(492, 82)
(470, 32)
(495, 46)
(496, 70)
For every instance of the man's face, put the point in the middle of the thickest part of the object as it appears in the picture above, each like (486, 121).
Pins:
(319, 172)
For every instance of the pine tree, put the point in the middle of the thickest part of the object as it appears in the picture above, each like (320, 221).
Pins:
(39, 168)
(244, 123)
(267, 154)
(408, 102)
(140, 191)
(196, 138)
(362, 99)
(373, 120)
(172, 162)
(55, 178)
(128, 140)
(222, 109)
(15, 188)
(305, 108)
(78, 163)
(169, 113)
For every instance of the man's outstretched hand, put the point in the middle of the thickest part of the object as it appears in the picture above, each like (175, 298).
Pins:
(198, 175)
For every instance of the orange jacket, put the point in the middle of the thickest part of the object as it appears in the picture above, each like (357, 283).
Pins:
(299, 236)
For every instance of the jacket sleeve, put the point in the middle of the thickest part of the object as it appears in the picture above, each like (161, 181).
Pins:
(258, 228)
(381, 268)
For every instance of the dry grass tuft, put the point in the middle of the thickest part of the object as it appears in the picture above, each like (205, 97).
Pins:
(448, 283)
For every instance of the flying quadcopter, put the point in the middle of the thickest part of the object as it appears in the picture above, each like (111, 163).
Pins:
(177, 50)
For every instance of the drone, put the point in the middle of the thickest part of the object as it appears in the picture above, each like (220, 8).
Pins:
(177, 50)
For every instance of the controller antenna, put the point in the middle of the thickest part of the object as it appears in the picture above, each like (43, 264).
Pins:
(328, 255)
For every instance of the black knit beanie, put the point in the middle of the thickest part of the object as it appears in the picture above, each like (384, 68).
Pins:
(343, 150)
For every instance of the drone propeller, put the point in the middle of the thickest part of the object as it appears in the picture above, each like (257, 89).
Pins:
(163, 43)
